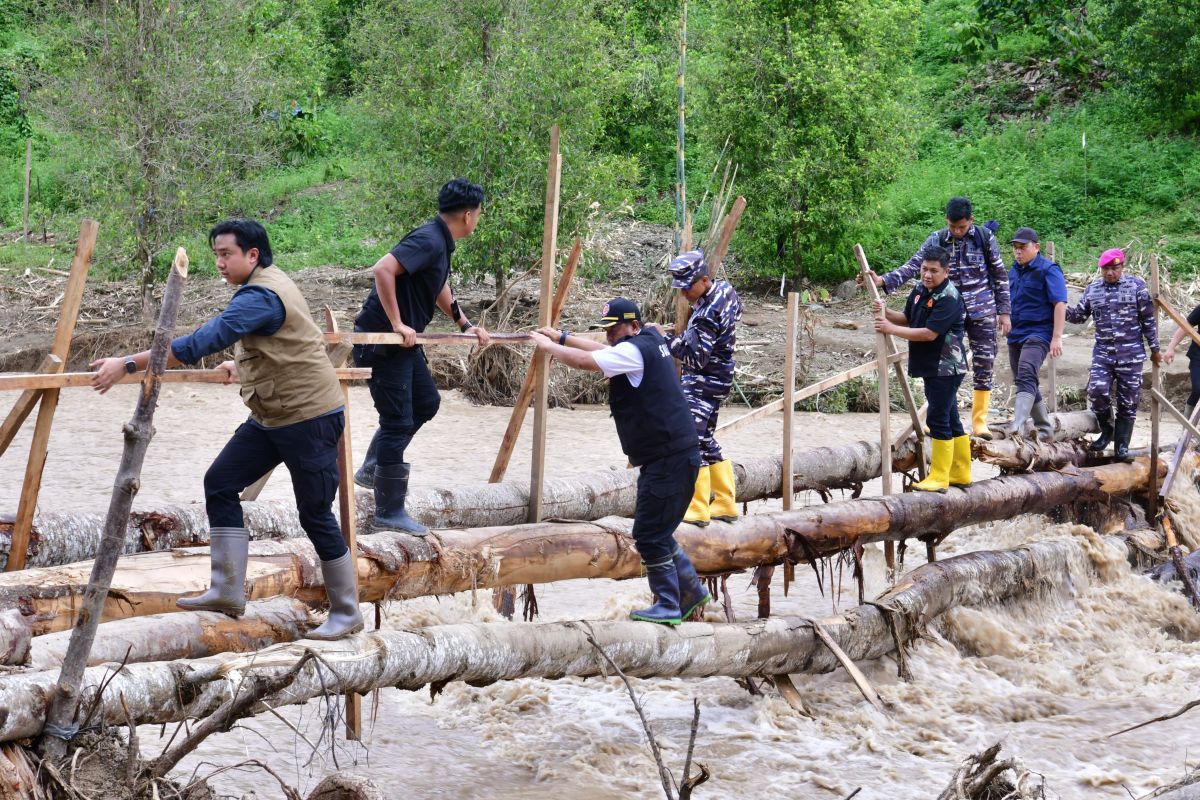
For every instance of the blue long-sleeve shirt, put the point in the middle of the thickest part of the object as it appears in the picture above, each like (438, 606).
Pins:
(252, 310)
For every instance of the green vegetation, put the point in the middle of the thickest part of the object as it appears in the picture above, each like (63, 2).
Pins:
(336, 121)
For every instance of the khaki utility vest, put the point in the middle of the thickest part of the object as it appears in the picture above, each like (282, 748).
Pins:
(286, 377)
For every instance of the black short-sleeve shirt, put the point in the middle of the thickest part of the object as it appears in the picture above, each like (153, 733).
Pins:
(425, 255)
(942, 311)
(1193, 319)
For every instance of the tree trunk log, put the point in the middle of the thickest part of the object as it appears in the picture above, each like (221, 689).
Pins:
(483, 653)
(67, 538)
(395, 565)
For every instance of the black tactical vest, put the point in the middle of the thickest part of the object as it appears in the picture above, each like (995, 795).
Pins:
(653, 419)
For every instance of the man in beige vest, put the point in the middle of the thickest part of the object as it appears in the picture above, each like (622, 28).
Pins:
(296, 418)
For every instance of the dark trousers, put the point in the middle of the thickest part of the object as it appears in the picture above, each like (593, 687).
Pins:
(309, 449)
(1025, 360)
(942, 395)
(664, 489)
(405, 397)
(1194, 371)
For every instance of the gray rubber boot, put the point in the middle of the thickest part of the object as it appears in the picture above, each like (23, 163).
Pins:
(364, 476)
(391, 488)
(341, 587)
(1023, 407)
(229, 549)
(1043, 423)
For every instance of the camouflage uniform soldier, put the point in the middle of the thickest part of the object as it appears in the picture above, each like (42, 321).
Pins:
(977, 271)
(705, 349)
(1123, 312)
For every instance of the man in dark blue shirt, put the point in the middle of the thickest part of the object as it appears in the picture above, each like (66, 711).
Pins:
(1039, 309)
(409, 282)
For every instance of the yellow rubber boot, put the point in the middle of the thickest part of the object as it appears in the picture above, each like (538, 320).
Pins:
(960, 465)
(939, 470)
(697, 512)
(979, 411)
(724, 503)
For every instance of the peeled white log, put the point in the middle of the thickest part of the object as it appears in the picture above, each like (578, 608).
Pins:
(66, 538)
(482, 653)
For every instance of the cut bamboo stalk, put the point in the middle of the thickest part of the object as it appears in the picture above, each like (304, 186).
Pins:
(789, 393)
(61, 714)
(825, 384)
(517, 418)
(63, 331)
(25, 203)
(83, 380)
(727, 229)
(541, 361)
(1155, 401)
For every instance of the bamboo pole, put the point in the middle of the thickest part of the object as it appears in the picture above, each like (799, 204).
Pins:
(789, 392)
(63, 332)
(517, 418)
(25, 205)
(680, 172)
(83, 380)
(823, 385)
(1155, 403)
(1180, 447)
(61, 715)
(1178, 319)
(1053, 366)
(541, 361)
(727, 228)
(427, 338)
(885, 428)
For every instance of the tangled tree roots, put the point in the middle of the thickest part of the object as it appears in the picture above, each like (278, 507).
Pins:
(982, 777)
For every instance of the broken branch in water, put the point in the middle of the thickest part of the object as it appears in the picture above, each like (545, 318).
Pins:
(1178, 713)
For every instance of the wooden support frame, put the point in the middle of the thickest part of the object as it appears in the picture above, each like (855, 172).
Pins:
(1189, 427)
(521, 406)
(541, 361)
(1052, 367)
(789, 395)
(1178, 319)
(63, 332)
(1181, 446)
(1156, 402)
(83, 380)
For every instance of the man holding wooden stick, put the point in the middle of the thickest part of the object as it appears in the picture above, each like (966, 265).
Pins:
(657, 434)
(705, 349)
(977, 271)
(410, 281)
(296, 418)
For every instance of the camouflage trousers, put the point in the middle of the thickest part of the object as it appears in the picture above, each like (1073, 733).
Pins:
(1127, 391)
(981, 337)
(704, 398)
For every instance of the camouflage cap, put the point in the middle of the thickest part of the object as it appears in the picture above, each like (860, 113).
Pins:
(687, 268)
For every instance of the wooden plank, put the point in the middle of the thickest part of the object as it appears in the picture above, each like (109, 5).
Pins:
(24, 406)
(541, 361)
(812, 389)
(517, 418)
(1053, 366)
(427, 338)
(1178, 319)
(78, 380)
(789, 397)
(1156, 402)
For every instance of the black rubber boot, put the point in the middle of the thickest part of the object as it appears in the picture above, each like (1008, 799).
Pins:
(228, 551)
(365, 476)
(664, 582)
(1122, 433)
(692, 591)
(1106, 432)
(341, 587)
(391, 487)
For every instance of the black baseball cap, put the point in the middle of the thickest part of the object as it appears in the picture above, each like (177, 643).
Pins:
(1024, 236)
(616, 311)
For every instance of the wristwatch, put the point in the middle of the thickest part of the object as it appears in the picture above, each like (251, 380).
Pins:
(130, 365)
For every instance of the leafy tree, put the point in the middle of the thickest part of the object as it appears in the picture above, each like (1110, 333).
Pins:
(816, 97)
(473, 90)
(172, 106)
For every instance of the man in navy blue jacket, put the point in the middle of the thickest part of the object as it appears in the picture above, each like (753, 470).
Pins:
(1039, 310)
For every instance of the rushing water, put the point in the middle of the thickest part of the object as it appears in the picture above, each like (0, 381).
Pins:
(1049, 677)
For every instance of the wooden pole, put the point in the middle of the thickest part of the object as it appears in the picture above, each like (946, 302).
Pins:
(910, 402)
(1053, 366)
(346, 510)
(789, 393)
(83, 380)
(25, 207)
(885, 428)
(517, 418)
(61, 722)
(541, 361)
(682, 240)
(1155, 407)
(63, 332)
(1178, 319)
(1180, 447)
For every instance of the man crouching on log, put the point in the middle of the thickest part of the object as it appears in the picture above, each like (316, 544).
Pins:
(933, 320)
(657, 434)
(296, 418)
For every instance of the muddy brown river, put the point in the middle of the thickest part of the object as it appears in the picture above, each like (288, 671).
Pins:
(1050, 677)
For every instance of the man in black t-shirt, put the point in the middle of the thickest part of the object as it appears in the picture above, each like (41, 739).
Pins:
(409, 282)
